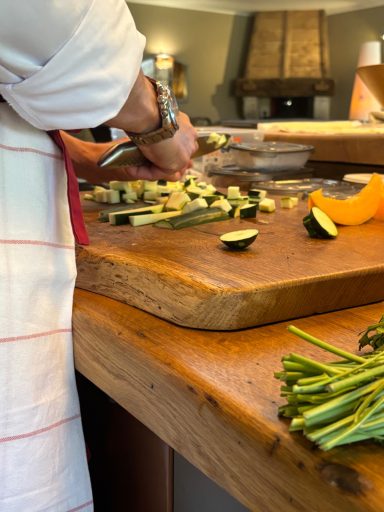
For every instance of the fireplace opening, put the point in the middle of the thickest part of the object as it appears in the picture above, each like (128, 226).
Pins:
(287, 107)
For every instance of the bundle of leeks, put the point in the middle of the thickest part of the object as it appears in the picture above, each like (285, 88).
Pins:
(338, 402)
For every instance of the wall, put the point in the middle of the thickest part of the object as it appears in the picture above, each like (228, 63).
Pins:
(212, 46)
(347, 32)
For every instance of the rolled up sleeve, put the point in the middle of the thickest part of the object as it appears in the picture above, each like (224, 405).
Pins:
(87, 81)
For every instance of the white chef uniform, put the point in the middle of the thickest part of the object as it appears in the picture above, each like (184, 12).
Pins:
(64, 64)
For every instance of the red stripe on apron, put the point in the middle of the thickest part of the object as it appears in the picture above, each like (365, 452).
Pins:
(75, 211)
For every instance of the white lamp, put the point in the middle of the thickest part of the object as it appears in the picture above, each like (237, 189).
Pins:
(362, 101)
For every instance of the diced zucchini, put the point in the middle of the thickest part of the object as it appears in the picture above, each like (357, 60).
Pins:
(150, 195)
(267, 205)
(150, 186)
(122, 216)
(238, 201)
(196, 204)
(233, 192)
(248, 211)
(177, 200)
(194, 218)
(223, 204)
(239, 240)
(255, 192)
(210, 198)
(151, 218)
(289, 202)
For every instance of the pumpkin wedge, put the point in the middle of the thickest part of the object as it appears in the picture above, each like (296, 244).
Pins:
(354, 210)
(379, 215)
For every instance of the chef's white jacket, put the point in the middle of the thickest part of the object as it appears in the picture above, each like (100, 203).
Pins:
(68, 64)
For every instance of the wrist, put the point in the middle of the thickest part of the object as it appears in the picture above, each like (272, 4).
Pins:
(141, 112)
(168, 110)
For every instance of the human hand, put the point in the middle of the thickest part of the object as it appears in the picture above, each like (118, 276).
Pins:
(174, 154)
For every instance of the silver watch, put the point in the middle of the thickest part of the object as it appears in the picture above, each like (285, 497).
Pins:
(168, 111)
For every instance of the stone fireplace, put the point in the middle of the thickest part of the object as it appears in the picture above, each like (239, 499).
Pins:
(287, 68)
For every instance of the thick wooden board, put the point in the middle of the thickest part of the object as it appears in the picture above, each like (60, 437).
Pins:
(213, 398)
(190, 278)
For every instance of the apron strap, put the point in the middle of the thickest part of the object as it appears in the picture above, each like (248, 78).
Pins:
(75, 210)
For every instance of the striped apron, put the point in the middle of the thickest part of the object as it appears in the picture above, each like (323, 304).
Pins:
(43, 464)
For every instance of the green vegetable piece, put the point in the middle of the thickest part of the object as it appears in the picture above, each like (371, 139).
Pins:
(194, 218)
(319, 225)
(239, 240)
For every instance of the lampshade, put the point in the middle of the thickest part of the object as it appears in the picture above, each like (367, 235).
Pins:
(363, 100)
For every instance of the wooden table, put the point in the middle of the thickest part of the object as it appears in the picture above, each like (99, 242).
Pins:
(213, 398)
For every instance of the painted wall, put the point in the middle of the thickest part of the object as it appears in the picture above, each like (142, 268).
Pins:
(214, 49)
(212, 46)
(347, 32)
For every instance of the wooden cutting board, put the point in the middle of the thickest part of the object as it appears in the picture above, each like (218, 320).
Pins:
(190, 278)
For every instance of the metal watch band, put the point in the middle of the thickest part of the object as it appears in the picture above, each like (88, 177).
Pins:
(168, 110)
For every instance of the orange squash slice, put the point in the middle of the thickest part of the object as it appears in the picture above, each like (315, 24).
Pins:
(379, 215)
(355, 210)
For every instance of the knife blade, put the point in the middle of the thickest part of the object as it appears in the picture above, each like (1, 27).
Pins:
(128, 154)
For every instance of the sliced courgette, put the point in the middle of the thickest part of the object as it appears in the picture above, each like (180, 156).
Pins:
(239, 240)
(150, 218)
(122, 217)
(319, 225)
(195, 218)
(248, 211)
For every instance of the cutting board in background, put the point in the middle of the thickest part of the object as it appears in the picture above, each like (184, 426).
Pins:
(188, 277)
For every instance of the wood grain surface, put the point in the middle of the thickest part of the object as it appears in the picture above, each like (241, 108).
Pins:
(359, 148)
(212, 396)
(190, 278)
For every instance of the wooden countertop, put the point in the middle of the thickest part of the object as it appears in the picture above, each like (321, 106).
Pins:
(359, 148)
(212, 396)
(188, 277)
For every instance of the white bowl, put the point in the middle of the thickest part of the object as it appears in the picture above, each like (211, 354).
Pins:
(270, 156)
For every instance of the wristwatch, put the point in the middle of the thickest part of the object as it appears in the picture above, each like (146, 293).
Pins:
(168, 110)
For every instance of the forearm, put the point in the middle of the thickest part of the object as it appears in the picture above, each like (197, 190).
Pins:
(84, 156)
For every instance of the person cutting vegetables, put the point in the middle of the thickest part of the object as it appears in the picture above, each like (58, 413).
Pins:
(64, 65)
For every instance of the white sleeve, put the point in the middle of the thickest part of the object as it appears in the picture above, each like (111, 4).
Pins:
(88, 79)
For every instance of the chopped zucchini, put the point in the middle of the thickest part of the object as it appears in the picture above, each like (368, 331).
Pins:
(239, 240)
(210, 198)
(289, 202)
(255, 192)
(151, 218)
(177, 200)
(238, 201)
(267, 205)
(223, 204)
(122, 216)
(194, 218)
(196, 204)
(319, 225)
(233, 192)
(248, 211)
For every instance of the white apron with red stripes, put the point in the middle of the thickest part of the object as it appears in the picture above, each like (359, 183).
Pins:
(43, 464)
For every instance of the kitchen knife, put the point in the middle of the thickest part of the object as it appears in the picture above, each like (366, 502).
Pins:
(128, 154)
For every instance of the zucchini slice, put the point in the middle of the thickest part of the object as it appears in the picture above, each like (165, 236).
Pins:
(120, 217)
(319, 225)
(239, 240)
(202, 216)
(150, 218)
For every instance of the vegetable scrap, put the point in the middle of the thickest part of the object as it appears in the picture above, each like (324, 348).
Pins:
(339, 402)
